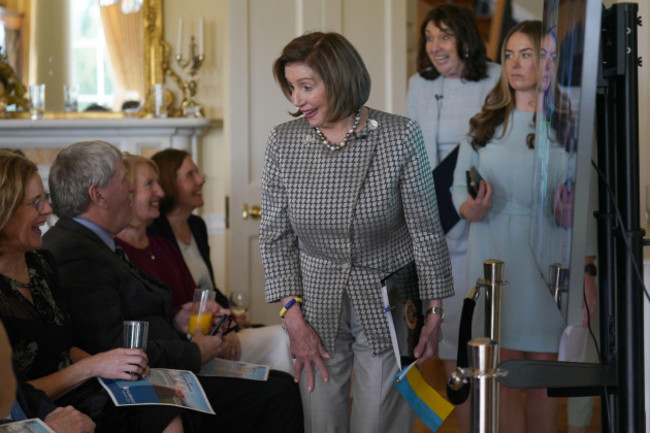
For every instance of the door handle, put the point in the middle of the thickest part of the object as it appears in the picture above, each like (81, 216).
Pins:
(255, 212)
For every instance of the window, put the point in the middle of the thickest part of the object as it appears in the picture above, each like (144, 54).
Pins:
(90, 62)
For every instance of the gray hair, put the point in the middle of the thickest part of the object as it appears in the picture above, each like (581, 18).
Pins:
(75, 169)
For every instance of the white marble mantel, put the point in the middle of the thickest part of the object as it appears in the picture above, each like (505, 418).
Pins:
(129, 134)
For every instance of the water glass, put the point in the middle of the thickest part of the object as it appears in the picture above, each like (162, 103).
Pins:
(71, 97)
(134, 335)
(159, 100)
(36, 101)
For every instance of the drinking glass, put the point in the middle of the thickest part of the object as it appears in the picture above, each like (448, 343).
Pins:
(238, 303)
(201, 312)
(159, 100)
(36, 101)
(71, 97)
(134, 335)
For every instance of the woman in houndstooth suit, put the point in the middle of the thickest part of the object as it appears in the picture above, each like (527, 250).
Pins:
(347, 198)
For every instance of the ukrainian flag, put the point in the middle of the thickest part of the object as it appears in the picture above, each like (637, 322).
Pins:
(430, 406)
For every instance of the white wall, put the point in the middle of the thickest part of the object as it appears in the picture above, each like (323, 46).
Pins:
(214, 152)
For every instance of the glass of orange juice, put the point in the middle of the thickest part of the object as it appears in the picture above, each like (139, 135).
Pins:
(201, 312)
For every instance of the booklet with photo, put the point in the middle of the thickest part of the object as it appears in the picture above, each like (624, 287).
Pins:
(403, 308)
(32, 425)
(162, 387)
(241, 370)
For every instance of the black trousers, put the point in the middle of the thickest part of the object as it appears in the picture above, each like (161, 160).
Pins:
(91, 399)
(251, 406)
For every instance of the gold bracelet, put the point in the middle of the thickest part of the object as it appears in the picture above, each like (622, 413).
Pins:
(437, 310)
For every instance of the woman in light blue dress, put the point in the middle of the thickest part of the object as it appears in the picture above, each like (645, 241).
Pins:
(453, 79)
(500, 146)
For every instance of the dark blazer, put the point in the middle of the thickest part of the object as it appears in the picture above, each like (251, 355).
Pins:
(161, 227)
(101, 291)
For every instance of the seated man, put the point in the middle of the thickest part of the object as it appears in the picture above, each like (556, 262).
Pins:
(91, 195)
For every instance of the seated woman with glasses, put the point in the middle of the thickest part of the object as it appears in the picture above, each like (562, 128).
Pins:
(39, 327)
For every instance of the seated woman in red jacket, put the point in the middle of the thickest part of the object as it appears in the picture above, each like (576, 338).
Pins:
(160, 258)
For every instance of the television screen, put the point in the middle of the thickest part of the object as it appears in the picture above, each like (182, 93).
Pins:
(563, 228)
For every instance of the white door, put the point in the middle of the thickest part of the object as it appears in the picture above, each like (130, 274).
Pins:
(258, 30)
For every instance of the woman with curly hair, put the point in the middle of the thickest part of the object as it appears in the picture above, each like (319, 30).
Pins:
(453, 79)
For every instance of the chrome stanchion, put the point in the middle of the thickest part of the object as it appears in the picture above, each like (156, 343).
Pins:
(492, 281)
(483, 359)
(484, 354)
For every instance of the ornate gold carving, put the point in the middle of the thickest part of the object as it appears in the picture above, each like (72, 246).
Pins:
(12, 90)
(152, 26)
(157, 56)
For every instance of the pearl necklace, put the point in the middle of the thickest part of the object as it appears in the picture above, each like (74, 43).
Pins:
(341, 145)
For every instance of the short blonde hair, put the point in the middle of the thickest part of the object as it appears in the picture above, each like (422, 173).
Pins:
(15, 173)
(131, 162)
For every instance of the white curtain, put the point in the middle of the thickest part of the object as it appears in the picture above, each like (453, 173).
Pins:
(124, 35)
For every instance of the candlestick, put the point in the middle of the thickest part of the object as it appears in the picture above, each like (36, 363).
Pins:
(192, 63)
(179, 47)
(200, 35)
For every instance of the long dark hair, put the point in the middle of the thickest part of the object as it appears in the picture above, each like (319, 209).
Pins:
(168, 162)
(470, 47)
(500, 102)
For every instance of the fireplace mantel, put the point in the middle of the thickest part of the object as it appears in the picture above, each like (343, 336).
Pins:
(129, 134)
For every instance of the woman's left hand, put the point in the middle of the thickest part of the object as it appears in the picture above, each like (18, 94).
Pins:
(230, 348)
(427, 347)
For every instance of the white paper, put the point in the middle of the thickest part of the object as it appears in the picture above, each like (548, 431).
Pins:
(391, 326)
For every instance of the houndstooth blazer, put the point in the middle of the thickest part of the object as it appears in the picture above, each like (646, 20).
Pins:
(340, 221)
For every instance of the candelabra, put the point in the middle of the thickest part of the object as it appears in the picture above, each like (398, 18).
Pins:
(192, 64)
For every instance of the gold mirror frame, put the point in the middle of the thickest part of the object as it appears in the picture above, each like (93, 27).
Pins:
(157, 55)
(152, 26)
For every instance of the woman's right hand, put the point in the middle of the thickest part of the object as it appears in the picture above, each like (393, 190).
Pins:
(125, 364)
(305, 346)
(475, 209)
(69, 420)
